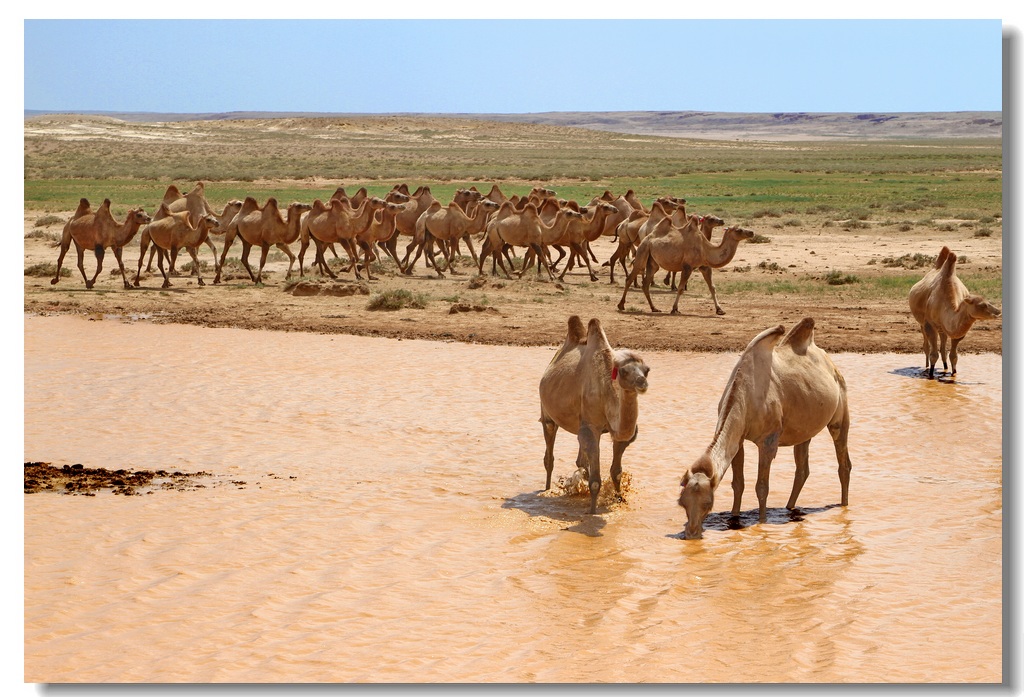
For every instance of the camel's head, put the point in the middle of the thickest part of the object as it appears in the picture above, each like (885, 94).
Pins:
(714, 221)
(140, 216)
(697, 497)
(630, 372)
(297, 206)
(980, 308)
(212, 223)
(739, 232)
(395, 196)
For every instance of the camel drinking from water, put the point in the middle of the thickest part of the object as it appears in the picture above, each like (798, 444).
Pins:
(781, 393)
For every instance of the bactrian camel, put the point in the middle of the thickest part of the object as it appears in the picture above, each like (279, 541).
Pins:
(97, 231)
(780, 394)
(171, 231)
(944, 308)
(263, 227)
(682, 249)
(589, 389)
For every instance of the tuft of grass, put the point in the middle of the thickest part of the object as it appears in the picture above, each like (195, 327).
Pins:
(793, 222)
(765, 213)
(45, 220)
(396, 300)
(769, 266)
(46, 269)
(758, 238)
(909, 261)
(836, 277)
(983, 232)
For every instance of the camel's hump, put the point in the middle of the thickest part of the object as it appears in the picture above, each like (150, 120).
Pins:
(801, 335)
(576, 334)
(766, 339)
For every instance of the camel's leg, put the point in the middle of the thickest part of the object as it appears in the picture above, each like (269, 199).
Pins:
(581, 252)
(932, 347)
(679, 292)
(264, 250)
(765, 454)
(618, 448)
(193, 252)
(291, 257)
(840, 432)
(801, 455)
(149, 264)
(213, 248)
(160, 263)
(586, 245)
(366, 263)
(629, 281)
(389, 251)
(321, 261)
(429, 244)
(229, 237)
(617, 256)
(550, 431)
(469, 243)
(737, 481)
(952, 353)
(120, 265)
(174, 260)
(648, 277)
(569, 265)
(542, 258)
(99, 252)
(143, 245)
(591, 455)
(246, 247)
(80, 251)
(561, 255)
(942, 350)
(419, 251)
(65, 243)
(303, 246)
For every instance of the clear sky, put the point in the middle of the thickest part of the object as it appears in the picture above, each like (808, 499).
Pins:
(513, 66)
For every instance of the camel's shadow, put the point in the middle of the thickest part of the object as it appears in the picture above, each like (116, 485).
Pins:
(724, 520)
(573, 510)
(922, 374)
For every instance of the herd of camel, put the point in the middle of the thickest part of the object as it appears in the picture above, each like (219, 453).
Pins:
(660, 236)
(783, 390)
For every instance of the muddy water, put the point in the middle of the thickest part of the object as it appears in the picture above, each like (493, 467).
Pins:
(373, 514)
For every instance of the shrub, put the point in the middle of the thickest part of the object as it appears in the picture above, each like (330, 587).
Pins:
(983, 232)
(396, 300)
(47, 269)
(769, 266)
(48, 220)
(836, 277)
(764, 213)
(759, 239)
(909, 261)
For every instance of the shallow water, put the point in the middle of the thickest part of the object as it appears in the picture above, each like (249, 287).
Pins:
(374, 514)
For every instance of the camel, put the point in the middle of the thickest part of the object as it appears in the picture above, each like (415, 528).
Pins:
(581, 232)
(337, 222)
(380, 229)
(97, 231)
(683, 249)
(589, 389)
(263, 227)
(448, 224)
(195, 203)
(944, 308)
(780, 394)
(639, 223)
(169, 232)
(508, 226)
(707, 224)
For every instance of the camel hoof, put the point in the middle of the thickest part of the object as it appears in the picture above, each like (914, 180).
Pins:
(719, 311)
(201, 282)
(167, 284)
(53, 281)
(88, 286)
(654, 309)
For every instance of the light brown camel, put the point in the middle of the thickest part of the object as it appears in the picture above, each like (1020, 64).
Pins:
(335, 222)
(944, 308)
(682, 249)
(448, 224)
(777, 396)
(380, 229)
(97, 231)
(579, 233)
(171, 231)
(523, 228)
(588, 389)
(405, 225)
(707, 224)
(195, 203)
(263, 227)
(638, 225)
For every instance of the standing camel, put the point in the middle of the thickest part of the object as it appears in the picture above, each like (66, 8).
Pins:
(682, 249)
(263, 227)
(448, 224)
(777, 396)
(169, 232)
(97, 231)
(944, 308)
(588, 389)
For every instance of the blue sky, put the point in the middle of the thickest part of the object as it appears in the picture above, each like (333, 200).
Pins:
(513, 66)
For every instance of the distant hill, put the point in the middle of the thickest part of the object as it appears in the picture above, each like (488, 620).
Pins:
(680, 124)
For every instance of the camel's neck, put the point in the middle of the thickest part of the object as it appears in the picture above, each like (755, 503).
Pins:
(959, 321)
(623, 414)
(721, 254)
(728, 438)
